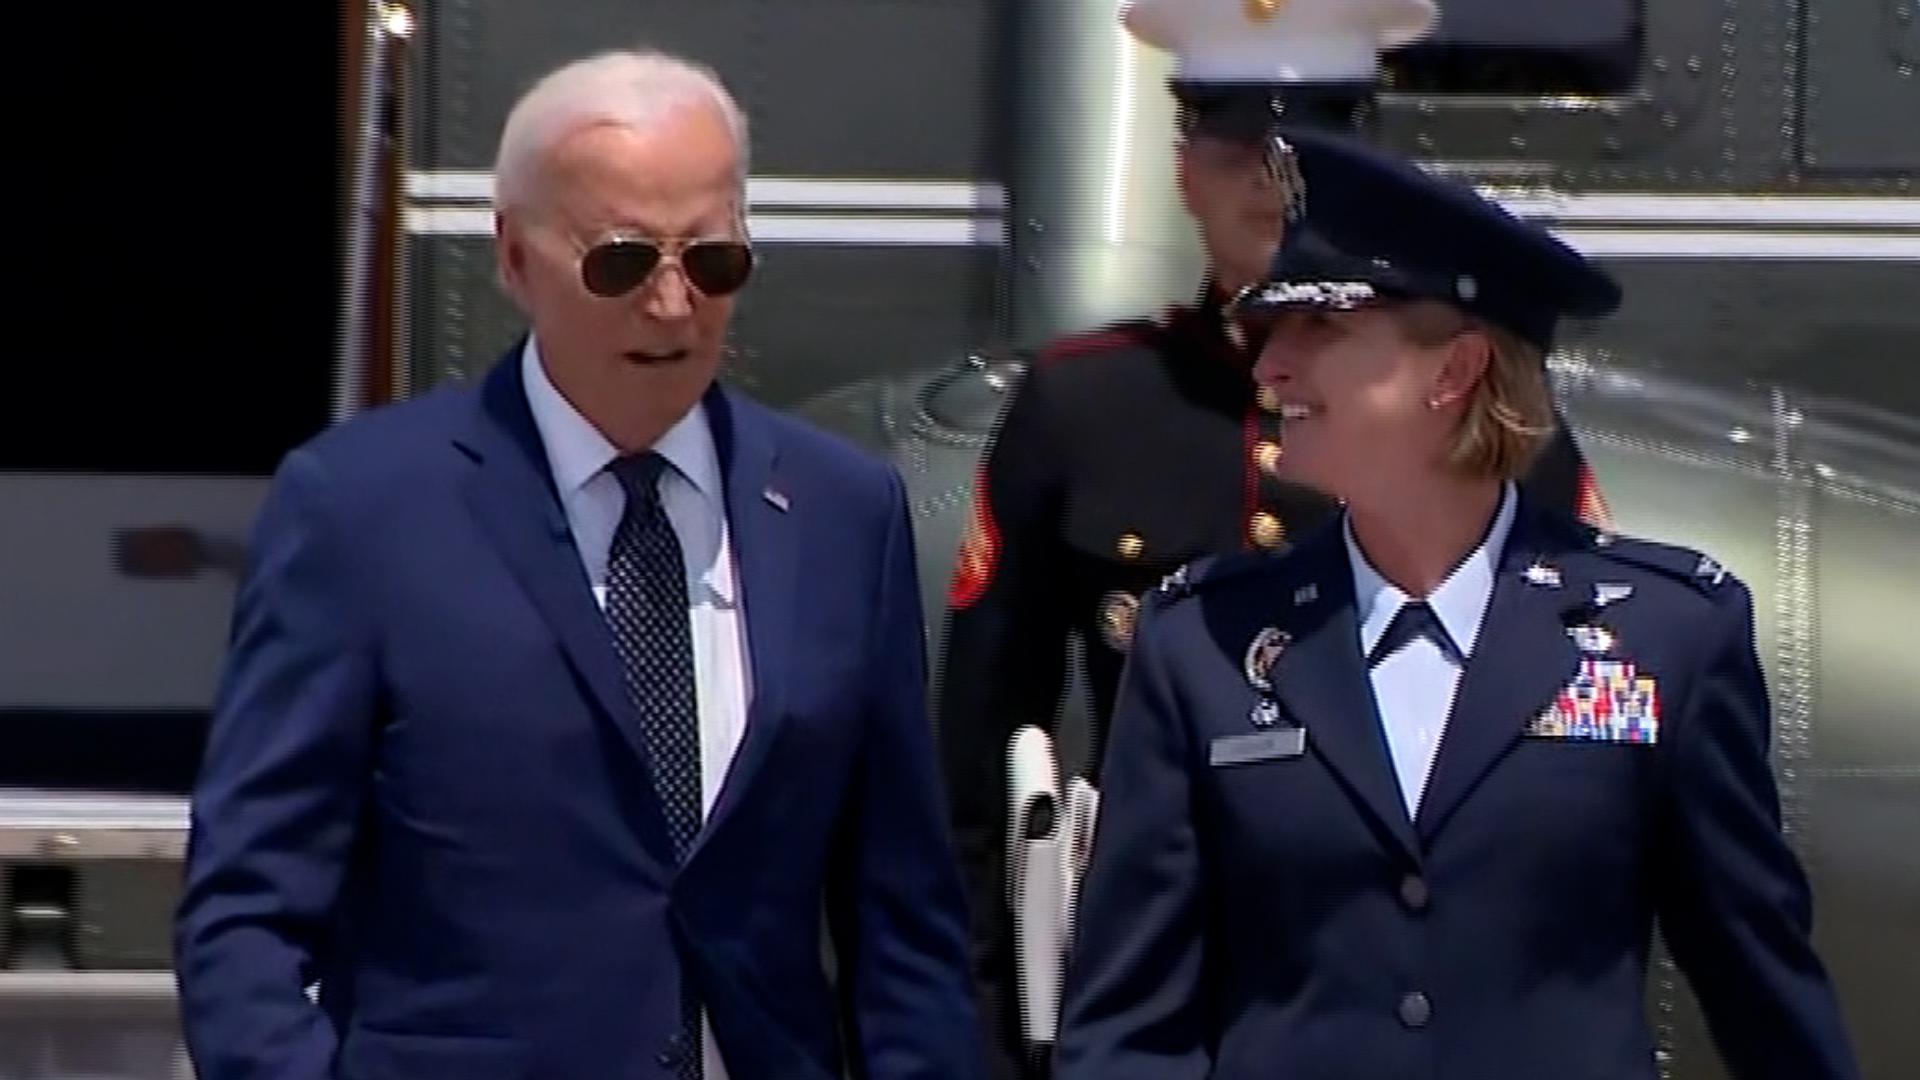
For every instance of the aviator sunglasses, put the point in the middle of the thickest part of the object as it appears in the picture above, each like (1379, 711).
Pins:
(616, 266)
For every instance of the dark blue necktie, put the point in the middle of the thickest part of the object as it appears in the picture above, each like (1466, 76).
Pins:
(647, 608)
(1414, 620)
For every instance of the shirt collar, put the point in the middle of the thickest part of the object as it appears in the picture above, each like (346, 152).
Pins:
(577, 451)
(1459, 602)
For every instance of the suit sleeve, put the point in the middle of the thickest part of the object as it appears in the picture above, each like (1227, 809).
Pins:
(1004, 666)
(1735, 905)
(272, 816)
(895, 904)
(1135, 1000)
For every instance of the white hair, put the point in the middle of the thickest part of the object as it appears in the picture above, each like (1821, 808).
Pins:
(629, 88)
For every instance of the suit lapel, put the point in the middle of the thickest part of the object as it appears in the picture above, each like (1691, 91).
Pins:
(1523, 657)
(511, 493)
(1322, 680)
(762, 522)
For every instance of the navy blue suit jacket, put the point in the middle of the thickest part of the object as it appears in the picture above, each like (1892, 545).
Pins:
(424, 789)
(1284, 917)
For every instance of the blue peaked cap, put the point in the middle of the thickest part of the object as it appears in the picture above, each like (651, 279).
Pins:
(1365, 226)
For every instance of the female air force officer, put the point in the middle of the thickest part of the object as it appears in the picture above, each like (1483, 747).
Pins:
(1407, 800)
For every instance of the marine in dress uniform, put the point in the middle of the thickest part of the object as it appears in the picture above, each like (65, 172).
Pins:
(1134, 448)
(1352, 833)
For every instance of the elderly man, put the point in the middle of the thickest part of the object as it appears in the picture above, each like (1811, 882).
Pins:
(570, 715)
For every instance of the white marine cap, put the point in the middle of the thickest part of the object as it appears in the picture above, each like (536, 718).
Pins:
(1278, 41)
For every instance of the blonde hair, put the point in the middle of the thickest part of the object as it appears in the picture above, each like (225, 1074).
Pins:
(1510, 416)
(629, 88)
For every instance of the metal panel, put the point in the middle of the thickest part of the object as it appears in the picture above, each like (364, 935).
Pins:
(917, 103)
(1676, 127)
(1862, 97)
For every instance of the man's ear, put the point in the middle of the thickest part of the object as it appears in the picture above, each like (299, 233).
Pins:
(1468, 355)
(510, 255)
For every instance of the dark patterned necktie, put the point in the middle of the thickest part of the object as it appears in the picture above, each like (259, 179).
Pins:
(1414, 620)
(647, 608)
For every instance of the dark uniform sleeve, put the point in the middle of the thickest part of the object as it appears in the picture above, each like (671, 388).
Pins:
(1003, 667)
(1135, 998)
(1561, 479)
(1734, 903)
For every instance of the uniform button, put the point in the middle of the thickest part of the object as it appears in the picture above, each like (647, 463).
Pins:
(1130, 545)
(1413, 893)
(1415, 1010)
(1269, 399)
(1267, 456)
(1266, 530)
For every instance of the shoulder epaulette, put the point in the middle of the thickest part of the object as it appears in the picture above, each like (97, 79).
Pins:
(1208, 571)
(1114, 336)
(1700, 570)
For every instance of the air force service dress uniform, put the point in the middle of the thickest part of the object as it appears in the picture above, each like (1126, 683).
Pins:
(1135, 448)
(1344, 835)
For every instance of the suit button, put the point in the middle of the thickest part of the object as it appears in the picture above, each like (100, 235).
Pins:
(1413, 893)
(1415, 1010)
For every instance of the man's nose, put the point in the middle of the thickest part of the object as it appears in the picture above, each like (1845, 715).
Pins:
(668, 293)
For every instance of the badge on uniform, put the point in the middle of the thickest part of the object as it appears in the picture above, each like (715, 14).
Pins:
(1262, 653)
(1119, 615)
(1592, 640)
(1273, 744)
(1607, 701)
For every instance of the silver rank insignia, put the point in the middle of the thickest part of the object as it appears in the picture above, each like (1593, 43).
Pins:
(1262, 653)
(1174, 584)
(1710, 570)
(1542, 575)
(1119, 615)
(1592, 640)
(1305, 594)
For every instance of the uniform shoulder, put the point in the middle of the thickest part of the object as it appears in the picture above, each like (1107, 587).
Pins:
(1126, 335)
(1212, 571)
(1689, 567)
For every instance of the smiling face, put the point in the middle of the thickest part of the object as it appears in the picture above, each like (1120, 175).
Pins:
(632, 364)
(1370, 402)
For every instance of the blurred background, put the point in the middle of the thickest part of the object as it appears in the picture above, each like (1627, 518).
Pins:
(260, 224)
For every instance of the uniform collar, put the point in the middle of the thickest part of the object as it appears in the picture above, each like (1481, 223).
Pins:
(577, 451)
(1460, 602)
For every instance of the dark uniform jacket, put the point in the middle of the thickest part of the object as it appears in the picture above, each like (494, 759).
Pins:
(1259, 903)
(1123, 454)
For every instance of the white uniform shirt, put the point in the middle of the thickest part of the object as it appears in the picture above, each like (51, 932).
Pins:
(695, 504)
(1414, 687)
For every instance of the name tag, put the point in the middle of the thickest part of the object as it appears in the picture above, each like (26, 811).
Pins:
(1274, 745)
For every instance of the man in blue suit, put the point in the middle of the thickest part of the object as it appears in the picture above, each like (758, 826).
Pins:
(574, 724)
